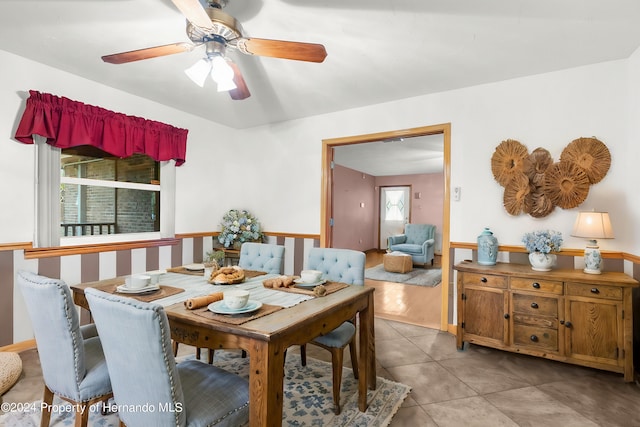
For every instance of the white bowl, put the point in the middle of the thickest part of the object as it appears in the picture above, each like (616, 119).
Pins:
(310, 276)
(236, 298)
(137, 281)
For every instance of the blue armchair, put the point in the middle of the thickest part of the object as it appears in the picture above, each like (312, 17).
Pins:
(418, 241)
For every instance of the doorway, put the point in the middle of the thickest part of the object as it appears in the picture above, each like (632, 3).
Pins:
(394, 213)
(327, 196)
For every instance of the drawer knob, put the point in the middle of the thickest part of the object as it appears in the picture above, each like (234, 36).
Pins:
(506, 315)
(536, 285)
(534, 305)
(534, 338)
(483, 280)
(567, 324)
(595, 291)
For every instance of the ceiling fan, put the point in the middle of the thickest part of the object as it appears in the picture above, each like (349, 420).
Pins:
(211, 27)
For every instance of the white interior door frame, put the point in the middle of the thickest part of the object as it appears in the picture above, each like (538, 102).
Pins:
(447, 312)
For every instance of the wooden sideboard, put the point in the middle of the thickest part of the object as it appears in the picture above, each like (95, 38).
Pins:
(564, 315)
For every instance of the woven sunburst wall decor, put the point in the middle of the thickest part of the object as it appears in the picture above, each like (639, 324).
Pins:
(535, 185)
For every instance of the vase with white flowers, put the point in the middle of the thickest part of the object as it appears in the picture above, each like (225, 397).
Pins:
(239, 226)
(540, 244)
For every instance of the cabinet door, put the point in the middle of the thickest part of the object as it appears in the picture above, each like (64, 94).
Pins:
(484, 316)
(593, 331)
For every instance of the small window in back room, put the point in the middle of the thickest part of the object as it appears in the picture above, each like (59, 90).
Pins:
(101, 194)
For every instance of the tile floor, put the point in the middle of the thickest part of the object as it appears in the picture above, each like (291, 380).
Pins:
(486, 387)
(476, 387)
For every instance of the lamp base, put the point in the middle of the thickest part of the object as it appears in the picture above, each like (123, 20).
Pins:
(592, 258)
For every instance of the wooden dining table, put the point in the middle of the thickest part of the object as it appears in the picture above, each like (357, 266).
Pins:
(267, 338)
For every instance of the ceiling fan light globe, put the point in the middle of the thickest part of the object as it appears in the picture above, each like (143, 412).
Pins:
(221, 71)
(198, 72)
(226, 85)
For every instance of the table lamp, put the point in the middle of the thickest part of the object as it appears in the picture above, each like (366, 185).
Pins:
(592, 226)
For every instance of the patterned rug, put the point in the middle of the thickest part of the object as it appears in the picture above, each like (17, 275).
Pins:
(307, 398)
(418, 276)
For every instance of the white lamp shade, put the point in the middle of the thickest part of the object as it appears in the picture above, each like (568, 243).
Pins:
(593, 225)
(199, 71)
(222, 74)
(224, 86)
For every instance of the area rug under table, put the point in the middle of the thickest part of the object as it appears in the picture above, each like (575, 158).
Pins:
(308, 398)
(418, 276)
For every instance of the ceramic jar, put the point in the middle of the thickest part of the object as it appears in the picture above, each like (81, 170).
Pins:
(541, 261)
(487, 248)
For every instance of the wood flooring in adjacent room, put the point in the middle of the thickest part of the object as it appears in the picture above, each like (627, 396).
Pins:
(416, 305)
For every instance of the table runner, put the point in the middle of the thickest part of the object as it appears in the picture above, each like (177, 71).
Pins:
(237, 319)
(331, 287)
(163, 292)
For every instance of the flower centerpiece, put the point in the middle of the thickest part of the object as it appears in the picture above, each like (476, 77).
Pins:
(540, 244)
(239, 226)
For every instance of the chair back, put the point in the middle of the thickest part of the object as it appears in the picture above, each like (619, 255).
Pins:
(338, 265)
(137, 346)
(417, 234)
(56, 327)
(262, 257)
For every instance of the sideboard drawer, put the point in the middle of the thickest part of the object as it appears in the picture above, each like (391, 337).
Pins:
(486, 280)
(537, 285)
(594, 291)
(534, 304)
(524, 335)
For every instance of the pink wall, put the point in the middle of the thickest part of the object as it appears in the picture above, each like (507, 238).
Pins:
(357, 228)
(426, 210)
(353, 225)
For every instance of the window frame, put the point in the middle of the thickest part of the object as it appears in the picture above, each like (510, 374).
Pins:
(47, 203)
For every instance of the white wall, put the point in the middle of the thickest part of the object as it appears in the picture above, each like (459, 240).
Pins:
(629, 198)
(275, 171)
(548, 110)
(196, 208)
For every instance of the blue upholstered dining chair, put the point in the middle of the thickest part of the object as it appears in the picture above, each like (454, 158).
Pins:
(137, 347)
(346, 266)
(73, 364)
(262, 257)
(258, 257)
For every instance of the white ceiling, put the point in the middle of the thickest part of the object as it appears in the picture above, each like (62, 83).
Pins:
(408, 156)
(378, 50)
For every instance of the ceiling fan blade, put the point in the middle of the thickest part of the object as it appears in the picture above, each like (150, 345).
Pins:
(281, 49)
(194, 12)
(241, 91)
(150, 52)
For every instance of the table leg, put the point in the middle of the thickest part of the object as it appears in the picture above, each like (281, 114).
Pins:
(266, 381)
(367, 357)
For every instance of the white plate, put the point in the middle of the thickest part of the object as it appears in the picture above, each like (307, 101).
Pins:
(221, 308)
(225, 283)
(194, 267)
(123, 289)
(302, 284)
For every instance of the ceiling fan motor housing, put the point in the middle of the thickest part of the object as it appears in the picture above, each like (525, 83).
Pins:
(223, 25)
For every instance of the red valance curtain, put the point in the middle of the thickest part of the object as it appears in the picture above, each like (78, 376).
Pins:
(66, 123)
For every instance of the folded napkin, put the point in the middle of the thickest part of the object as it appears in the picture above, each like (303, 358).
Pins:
(193, 303)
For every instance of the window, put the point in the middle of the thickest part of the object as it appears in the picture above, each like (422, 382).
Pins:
(88, 196)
